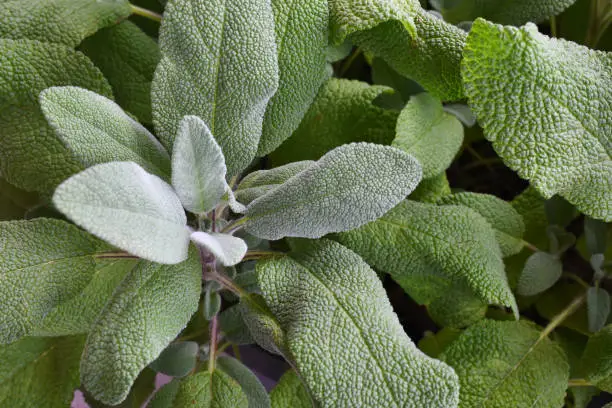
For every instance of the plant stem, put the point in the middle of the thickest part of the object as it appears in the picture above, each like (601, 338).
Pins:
(214, 328)
(151, 15)
(553, 26)
(565, 313)
(349, 61)
(576, 278)
(253, 255)
(116, 255)
(234, 226)
(227, 283)
(530, 246)
(578, 382)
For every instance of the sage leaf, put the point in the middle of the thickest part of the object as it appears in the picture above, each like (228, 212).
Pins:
(128, 58)
(434, 344)
(97, 130)
(206, 71)
(31, 156)
(324, 288)
(128, 207)
(572, 133)
(233, 327)
(301, 44)
(177, 360)
(542, 270)
(493, 359)
(256, 393)
(211, 304)
(431, 190)
(429, 134)
(598, 307)
(424, 247)
(596, 235)
(229, 250)
(59, 21)
(40, 372)
(597, 359)
(348, 187)
(15, 202)
(44, 263)
(457, 307)
(149, 309)
(554, 301)
(290, 392)
(198, 166)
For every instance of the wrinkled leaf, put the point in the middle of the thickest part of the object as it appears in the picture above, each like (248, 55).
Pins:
(434, 344)
(457, 307)
(177, 360)
(597, 359)
(253, 388)
(290, 392)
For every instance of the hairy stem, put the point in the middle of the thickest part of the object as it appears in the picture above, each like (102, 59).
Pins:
(253, 255)
(151, 15)
(560, 318)
(116, 255)
(214, 329)
(579, 382)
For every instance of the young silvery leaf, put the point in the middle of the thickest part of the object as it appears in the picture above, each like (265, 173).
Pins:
(97, 130)
(227, 249)
(31, 156)
(152, 305)
(598, 306)
(494, 359)
(322, 287)
(573, 131)
(348, 187)
(541, 271)
(206, 70)
(290, 392)
(128, 207)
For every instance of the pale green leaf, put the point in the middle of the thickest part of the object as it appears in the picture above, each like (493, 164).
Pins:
(457, 307)
(198, 166)
(461, 112)
(97, 130)
(128, 58)
(553, 132)
(505, 220)
(343, 112)
(14, 202)
(149, 309)
(325, 298)
(383, 74)
(43, 263)
(598, 307)
(428, 133)
(541, 271)
(177, 360)
(434, 344)
(253, 388)
(206, 70)
(228, 250)
(424, 246)
(431, 190)
(349, 186)
(301, 43)
(31, 156)
(59, 21)
(337, 53)
(290, 392)
(597, 359)
(128, 207)
(508, 364)
(40, 372)
(263, 326)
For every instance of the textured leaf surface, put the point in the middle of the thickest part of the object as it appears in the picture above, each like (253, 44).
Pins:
(598, 307)
(178, 359)
(434, 344)
(541, 271)
(59, 21)
(43, 263)
(31, 156)
(260, 182)
(290, 392)
(503, 364)
(256, 393)
(198, 166)
(128, 58)
(301, 43)
(228, 250)
(545, 104)
(423, 246)
(507, 222)
(97, 130)
(597, 359)
(428, 133)
(457, 307)
(349, 186)
(432, 189)
(325, 298)
(152, 305)
(344, 112)
(555, 300)
(128, 207)
(40, 372)
(207, 71)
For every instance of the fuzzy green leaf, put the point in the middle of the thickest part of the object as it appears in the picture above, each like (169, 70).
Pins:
(428, 133)
(431, 190)
(457, 307)
(40, 372)
(598, 307)
(198, 166)
(253, 388)
(290, 392)
(211, 304)
(128, 207)
(324, 288)
(59, 21)
(502, 364)
(349, 186)
(434, 344)
(505, 220)
(510, 77)
(128, 58)
(177, 360)
(233, 327)
(97, 130)
(150, 307)
(301, 43)
(541, 271)
(31, 156)
(44, 263)
(207, 71)
(424, 246)
(597, 359)
(229, 250)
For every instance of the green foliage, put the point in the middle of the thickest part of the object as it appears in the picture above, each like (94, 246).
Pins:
(290, 392)
(177, 360)
(253, 388)
(541, 271)
(598, 307)
(597, 359)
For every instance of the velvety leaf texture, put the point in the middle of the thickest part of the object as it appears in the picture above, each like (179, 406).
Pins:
(128, 58)
(424, 246)
(343, 333)
(290, 392)
(598, 306)
(349, 186)
(97, 130)
(541, 271)
(546, 105)
(219, 63)
(301, 43)
(149, 309)
(253, 388)
(432, 189)
(597, 359)
(458, 307)
(502, 364)
(31, 156)
(59, 21)
(43, 263)
(40, 372)
(228, 250)
(128, 207)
